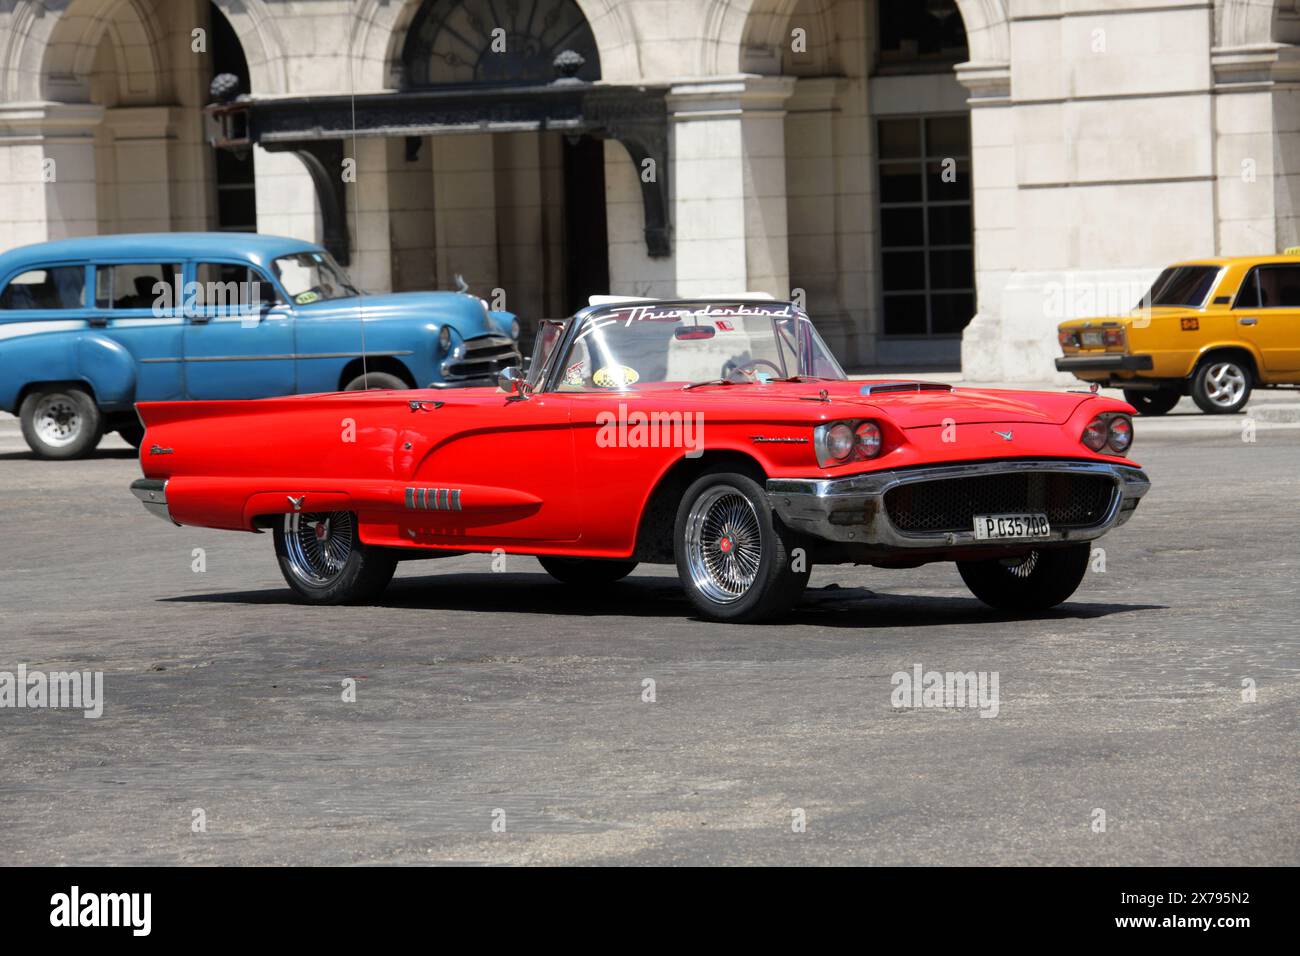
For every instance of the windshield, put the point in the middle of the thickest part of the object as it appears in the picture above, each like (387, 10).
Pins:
(313, 277)
(632, 346)
(1181, 286)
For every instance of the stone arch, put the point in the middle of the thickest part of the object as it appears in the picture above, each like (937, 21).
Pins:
(260, 37)
(382, 25)
(734, 27)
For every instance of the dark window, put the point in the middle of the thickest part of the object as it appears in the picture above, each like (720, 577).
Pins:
(1181, 286)
(926, 231)
(59, 287)
(132, 286)
(1271, 287)
(462, 42)
(920, 32)
(236, 190)
(225, 288)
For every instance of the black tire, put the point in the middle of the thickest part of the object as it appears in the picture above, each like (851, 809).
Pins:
(1158, 402)
(1222, 386)
(373, 380)
(765, 583)
(585, 571)
(348, 573)
(61, 422)
(1041, 580)
(133, 435)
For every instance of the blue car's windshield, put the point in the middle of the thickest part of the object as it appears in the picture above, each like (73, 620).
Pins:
(313, 277)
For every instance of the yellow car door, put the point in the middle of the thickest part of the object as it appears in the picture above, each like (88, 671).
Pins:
(1267, 314)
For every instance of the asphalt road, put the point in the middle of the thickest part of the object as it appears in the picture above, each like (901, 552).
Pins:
(479, 692)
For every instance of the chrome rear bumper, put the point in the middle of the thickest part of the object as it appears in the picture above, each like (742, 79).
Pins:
(852, 510)
(153, 495)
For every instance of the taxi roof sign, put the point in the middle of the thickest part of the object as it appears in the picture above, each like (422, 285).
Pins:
(1291, 251)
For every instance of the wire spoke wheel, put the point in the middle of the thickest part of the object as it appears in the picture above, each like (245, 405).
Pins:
(724, 544)
(57, 420)
(318, 545)
(1021, 567)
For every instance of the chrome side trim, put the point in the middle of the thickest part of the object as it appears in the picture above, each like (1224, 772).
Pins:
(153, 495)
(851, 510)
(433, 499)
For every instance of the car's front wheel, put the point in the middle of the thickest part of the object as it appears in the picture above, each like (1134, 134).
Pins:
(369, 381)
(61, 422)
(1156, 402)
(734, 559)
(585, 572)
(325, 562)
(1039, 580)
(1222, 386)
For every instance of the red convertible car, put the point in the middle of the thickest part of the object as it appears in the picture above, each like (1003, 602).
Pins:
(719, 435)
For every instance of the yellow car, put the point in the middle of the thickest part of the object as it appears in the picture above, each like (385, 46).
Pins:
(1216, 328)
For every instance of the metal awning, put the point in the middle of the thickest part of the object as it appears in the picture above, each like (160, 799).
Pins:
(316, 129)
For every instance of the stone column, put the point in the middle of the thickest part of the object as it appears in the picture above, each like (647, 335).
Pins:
(47, 172)
(140, 191)
(729, 184)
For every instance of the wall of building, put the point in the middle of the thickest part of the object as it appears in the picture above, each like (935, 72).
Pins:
(1108, 138)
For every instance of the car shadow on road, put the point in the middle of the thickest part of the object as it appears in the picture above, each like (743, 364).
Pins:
(121, 453)
(831, 606)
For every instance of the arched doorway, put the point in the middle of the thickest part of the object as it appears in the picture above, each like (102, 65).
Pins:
(234, 198)
(521, 212)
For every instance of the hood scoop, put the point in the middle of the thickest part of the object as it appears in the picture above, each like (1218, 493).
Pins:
(881, 388)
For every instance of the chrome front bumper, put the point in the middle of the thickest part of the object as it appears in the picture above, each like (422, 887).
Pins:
(852, 511)
(153, 495)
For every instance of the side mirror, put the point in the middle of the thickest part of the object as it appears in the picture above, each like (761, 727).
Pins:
(513, 382)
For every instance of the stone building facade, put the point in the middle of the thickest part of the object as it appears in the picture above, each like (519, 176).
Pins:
(940, 180)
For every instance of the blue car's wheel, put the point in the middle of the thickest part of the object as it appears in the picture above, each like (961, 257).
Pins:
(60, 421)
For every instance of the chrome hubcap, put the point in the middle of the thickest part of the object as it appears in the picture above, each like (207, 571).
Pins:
(723, 544)
(57, 420)
(1224, 384)
(318, 545)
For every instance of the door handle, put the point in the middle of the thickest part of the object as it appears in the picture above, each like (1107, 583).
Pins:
(1247, 320)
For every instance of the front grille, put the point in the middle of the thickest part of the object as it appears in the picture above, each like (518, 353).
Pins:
(951, 504)
(482, 358)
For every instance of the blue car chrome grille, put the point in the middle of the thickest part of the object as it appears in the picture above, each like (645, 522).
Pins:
(482, 357)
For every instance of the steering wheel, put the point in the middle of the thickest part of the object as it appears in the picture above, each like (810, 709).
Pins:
(750, 369)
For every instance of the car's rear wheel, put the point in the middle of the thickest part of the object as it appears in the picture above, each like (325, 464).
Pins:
(1039, 580)
(734, 559)
(1155, 402)
(325, 562)
(370, 381)
(585, 571)
(61, 422)
(1222, 386)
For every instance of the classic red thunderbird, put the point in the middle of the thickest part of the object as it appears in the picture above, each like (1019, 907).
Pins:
(720, 435)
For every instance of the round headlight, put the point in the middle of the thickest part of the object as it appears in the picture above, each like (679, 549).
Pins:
(444, 338)
(1095, 435)
(1120, 435)
(868, 434)
(514, 329)
(840, 441)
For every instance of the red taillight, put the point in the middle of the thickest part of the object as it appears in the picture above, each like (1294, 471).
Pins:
(1112, 337)
(1068, 340)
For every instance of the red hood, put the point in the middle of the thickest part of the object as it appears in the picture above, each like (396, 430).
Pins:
(917, 409)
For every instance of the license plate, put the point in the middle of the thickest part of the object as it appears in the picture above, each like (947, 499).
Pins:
(1093, 340)
(997, 527)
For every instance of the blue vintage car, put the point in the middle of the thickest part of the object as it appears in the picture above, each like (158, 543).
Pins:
(90, 326)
